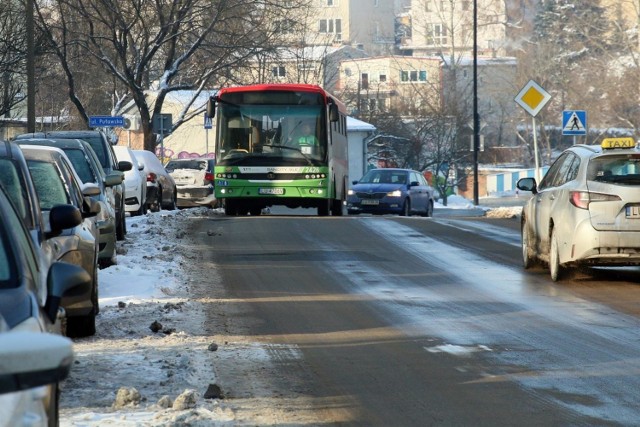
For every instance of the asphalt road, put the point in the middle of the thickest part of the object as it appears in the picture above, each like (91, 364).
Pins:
(388, 321)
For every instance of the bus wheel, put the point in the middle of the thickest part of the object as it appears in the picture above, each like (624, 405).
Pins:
(230, 208)
(336, 207)
(323, 208)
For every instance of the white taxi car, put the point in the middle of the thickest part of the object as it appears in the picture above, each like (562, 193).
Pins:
(586, 209)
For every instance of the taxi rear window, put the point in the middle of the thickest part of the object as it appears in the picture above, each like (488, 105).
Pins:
(619, 169)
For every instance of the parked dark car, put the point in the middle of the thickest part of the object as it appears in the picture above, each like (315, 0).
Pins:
(161, 187)
(194, 180)
(391, 191)
(57, 183)
(24, 311)
(104, 150)
(87, 166)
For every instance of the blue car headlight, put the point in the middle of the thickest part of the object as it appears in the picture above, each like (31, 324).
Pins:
(395, 193)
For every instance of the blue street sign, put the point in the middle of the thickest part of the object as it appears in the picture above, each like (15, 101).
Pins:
(106, 121)
(574, 122)
(207, 122)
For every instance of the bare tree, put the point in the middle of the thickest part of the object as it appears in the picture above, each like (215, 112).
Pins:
(12, 56)
(144, 46)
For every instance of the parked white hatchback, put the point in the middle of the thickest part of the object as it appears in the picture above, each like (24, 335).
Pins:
(135, 199)
(586, 209)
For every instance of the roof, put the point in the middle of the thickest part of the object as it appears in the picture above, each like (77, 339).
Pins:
(355, 125)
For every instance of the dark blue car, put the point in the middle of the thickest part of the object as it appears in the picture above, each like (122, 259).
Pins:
(391, 191)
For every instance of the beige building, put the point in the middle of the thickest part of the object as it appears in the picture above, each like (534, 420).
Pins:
(440, 27)
(388, 82)
(368, 25)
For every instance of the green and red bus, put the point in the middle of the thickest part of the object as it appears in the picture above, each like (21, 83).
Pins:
(258, 165)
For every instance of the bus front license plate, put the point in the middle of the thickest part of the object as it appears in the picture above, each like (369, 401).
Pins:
(275, 191)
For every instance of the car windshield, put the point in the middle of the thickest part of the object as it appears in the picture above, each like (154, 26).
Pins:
(13, 184)
(48, 183)
(186, 164)
(380, 176)
(8, 276)
(619, 169)
(81, 165)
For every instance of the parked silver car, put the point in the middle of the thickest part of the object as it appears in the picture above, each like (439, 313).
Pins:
(135, 180)
(87, 166)
(30, 356)
(161, 188)
(194, 180)
(585, 210)
(57, 183)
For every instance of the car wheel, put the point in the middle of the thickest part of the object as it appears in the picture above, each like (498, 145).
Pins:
(429, 209)
(528, 261)
(406, 208)
(555, 269)
(352, 212)
(120, 227)
(82, 326)
(52, 405)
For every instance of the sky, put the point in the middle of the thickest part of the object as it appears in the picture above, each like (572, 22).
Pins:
(150, 269)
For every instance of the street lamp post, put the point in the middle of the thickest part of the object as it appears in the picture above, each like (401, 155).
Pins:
(31, 81)
(476, 119)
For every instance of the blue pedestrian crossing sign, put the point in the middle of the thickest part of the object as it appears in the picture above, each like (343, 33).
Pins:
(574, 122)
(208, 123)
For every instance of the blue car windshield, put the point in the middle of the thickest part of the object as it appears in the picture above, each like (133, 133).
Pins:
(381, 176)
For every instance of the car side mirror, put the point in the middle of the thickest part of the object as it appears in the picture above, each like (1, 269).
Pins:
(63, 217)
(114, 178)
(62, 279)
(90, 189)
(91, 207)
(527, 184)
(125, 165)
(414, 184)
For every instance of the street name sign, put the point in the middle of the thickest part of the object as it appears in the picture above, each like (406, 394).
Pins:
(106, 121)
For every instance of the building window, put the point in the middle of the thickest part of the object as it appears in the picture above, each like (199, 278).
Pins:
(413, 76)
(466, 5)
(278, 71)
(329, 2)
(427, 5)
(436, 35)
(364, 79)
(382, 77)
(285, 26)
(330, 26)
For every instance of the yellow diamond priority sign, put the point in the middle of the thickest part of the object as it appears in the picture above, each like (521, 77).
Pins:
(533, 98)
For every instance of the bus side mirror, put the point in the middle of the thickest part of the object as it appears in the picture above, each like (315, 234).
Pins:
(334, 114)
(211, 108)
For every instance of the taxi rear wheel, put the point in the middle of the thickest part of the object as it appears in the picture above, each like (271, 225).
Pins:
(555, 269)
(527, 260)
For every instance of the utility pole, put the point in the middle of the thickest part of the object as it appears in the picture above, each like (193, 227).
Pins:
(476, 119)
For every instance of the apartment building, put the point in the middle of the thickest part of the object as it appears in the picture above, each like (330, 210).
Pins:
(390, 82)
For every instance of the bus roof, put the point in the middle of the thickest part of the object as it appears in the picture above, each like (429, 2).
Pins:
(284, 87)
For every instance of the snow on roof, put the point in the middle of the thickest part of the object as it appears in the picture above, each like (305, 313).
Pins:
(355, 125)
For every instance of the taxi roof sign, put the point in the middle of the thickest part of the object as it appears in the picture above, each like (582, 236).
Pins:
(611, 143)
(533, 98)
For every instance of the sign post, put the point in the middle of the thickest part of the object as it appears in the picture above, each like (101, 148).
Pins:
(161, 125)
(533, 98)
(208, 124)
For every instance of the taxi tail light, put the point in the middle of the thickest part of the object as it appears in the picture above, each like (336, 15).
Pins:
(151, 177)
(581, 199)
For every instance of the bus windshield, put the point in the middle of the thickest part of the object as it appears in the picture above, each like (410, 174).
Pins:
(267, 134)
